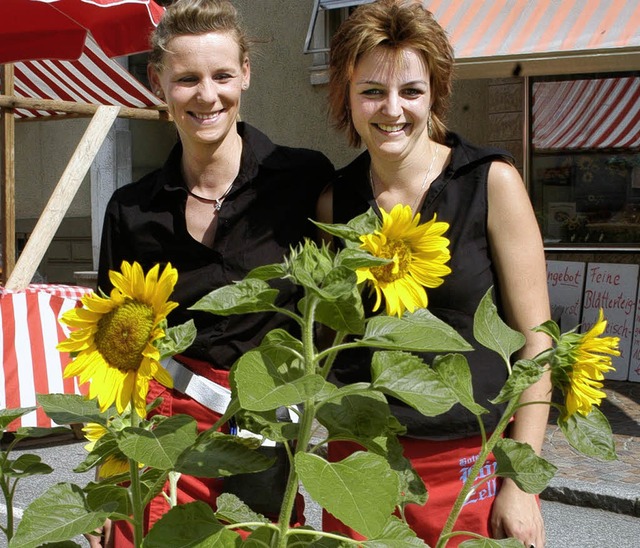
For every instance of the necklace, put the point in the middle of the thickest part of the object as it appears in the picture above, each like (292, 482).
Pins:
(422, 186)
(217, 202)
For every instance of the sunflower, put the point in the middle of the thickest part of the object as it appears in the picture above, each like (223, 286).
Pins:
(581, 359)
(417, 254)
(112, 465)
(114, 337)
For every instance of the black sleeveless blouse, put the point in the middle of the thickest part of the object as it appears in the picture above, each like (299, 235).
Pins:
(459, 197)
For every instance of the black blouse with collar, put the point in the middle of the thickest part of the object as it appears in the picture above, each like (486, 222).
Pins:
(266, 212)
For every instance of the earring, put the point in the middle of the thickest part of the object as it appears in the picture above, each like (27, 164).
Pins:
(429, 125)
(158, 93)
(245, 87)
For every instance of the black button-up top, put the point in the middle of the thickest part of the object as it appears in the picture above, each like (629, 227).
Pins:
(265, 214)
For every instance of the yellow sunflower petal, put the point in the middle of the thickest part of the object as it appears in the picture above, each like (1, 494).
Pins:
(115, 336)
(417, 254)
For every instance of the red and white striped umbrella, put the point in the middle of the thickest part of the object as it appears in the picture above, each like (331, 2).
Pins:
(57, 29)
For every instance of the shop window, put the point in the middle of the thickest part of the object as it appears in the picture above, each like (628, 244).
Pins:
(585, 159)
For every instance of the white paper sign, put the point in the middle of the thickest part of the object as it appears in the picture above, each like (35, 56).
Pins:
(634, 365)
(565, 280)
(614, 288)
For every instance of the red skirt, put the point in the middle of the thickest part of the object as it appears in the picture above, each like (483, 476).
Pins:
(189, 488)
(444, 467)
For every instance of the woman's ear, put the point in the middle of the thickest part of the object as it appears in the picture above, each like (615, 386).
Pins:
(154, 82)
(246, 73)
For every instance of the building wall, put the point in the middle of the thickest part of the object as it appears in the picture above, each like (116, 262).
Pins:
(281, 101)
(42, 152)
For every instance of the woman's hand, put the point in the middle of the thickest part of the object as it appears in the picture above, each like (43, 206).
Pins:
(102, 538)
(517, 514)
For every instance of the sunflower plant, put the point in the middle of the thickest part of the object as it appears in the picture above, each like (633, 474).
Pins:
(398, 259)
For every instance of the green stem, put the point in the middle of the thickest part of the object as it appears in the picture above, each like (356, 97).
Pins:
(304, 426)
(135, 490)
(331, 357)
(8, 497)
(473, 474)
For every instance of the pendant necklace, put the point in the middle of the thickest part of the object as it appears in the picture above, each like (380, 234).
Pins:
(217, 202)
(422, 186)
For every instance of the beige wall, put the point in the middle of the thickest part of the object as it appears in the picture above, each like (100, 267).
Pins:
(42, 151)
(281, 101)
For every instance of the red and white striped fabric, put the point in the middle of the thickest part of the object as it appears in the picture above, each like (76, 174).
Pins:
(94, 78)
(30, 362)
(529, 28)
(586, 114)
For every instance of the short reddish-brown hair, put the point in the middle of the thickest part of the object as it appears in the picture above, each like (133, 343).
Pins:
(394, 24)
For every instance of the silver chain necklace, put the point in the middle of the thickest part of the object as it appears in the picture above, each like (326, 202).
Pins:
(422, 186)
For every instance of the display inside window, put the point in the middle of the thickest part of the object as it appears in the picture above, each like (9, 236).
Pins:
(585, 159)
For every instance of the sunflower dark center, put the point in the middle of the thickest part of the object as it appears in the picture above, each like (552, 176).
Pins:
(400, 256)
(124, 333)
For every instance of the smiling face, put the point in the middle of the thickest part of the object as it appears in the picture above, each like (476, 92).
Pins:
(201, 80)
(390, 98)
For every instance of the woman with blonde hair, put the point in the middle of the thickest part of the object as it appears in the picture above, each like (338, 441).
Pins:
(226, 201)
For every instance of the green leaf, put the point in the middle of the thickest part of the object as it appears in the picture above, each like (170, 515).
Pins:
(63, 544)
(267, 424)
(230, 509)
(417, 332)
(280, 342)
(354, 258)
(408, 378)
(152, 481)
(356, 415)
(37, 432)
(590, 435)
(344, 232)
(101, 495)
(25, 465)
(190, 525)
(106, 446)
(361, 490)
(396, 534)
(343, 315)
(268, 272)
(519, 462)
(59, 514)
(490, 331)
(7, 416)
(161, 447)
(491, 543)
(262, 537)
(412, 489)
(71, 409)
(523, 375)
(220, 455)
(177, 339)
(549, 327)
(339, 283)
(261, 386)
(453, 371)
(248, 295)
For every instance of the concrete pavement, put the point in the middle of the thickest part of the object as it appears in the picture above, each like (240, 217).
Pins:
(609, 485)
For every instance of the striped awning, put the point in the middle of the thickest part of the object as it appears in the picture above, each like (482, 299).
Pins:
(94, 79)
(586, 114)
(503, 37)
(523, 28)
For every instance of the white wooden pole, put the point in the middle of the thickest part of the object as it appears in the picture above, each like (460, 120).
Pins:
(61, 197)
